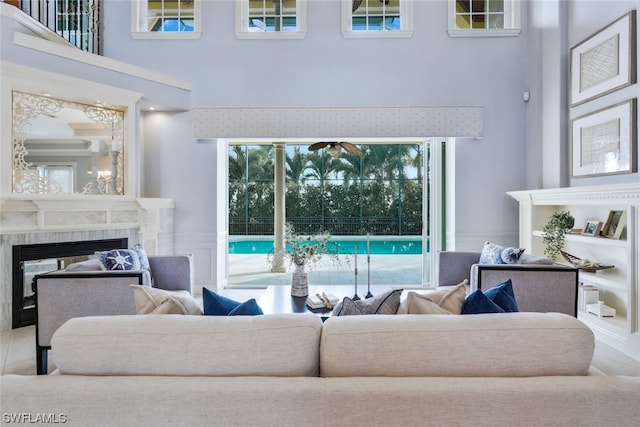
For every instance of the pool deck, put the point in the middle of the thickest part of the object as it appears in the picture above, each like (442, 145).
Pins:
(252, 271)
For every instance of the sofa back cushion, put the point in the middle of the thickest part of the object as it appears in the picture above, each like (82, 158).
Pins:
(482, 345)
(270, 345)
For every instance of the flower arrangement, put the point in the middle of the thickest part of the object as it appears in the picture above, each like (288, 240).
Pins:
(306, 250)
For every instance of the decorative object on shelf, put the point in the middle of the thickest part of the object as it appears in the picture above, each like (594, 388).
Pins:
(604, 142)
(589, 294)
(553, 233)
(600, 309)
(584, 264)
(615, 225)
(592, 228)
(604, 62)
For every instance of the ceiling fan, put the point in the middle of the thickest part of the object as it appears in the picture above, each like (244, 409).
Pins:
(334, 148)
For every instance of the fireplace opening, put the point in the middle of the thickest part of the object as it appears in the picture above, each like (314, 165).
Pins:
(31, 260)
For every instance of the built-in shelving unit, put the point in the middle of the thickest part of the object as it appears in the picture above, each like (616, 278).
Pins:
(618, 286)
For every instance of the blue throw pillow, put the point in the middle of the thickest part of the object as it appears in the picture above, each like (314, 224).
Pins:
(247, 308)
(503, 296)
(477, 302)
(142, 257)
(119, 259)
(214, 304)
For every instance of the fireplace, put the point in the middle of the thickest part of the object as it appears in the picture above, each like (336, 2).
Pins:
(46, 257)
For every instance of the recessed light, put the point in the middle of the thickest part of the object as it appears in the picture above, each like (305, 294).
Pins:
(152, 108)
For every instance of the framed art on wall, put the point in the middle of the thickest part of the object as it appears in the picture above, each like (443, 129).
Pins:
(604, 142)
(605, 61)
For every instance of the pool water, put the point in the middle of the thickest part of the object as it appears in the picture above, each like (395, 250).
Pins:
(405, 246)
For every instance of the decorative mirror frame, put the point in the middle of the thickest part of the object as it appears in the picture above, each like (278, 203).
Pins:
(27, 107)
(20, 78)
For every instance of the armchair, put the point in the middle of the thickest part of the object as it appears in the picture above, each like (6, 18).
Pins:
(62, 295)
(538, 287)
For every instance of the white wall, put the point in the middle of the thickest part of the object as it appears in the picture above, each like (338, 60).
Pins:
(326, 70)
(585, 18)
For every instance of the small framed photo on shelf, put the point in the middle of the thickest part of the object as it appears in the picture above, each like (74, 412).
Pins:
(615, 225)
(592, 228)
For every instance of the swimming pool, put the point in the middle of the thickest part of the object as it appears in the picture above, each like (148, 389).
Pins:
(378, 246)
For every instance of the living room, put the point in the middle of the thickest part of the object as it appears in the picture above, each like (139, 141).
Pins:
(504, 98)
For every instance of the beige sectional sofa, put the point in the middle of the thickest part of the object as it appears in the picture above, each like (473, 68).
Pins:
(511, 369)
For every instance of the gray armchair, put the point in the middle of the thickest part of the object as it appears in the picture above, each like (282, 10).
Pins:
(62, 295)
(538, 286)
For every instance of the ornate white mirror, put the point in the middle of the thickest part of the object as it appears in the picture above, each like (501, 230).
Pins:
(64, 147)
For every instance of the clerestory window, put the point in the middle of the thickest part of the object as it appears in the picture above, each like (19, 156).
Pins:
(484, 18)
(377, 18)
(166, 19)
(271, 19)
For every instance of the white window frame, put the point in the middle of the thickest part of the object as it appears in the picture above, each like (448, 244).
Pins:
(139, 23)
(242, 26)
(511, 28)
(406, 23)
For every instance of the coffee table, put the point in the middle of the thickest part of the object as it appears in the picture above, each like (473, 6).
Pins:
(277, 298)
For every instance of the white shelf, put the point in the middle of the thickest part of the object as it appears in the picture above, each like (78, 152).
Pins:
(614, 325)
(621, 282)
(592, 240)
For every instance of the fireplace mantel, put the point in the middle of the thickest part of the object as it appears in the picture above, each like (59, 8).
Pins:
(47, 220)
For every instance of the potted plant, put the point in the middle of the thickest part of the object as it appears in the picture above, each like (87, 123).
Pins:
(553, 233)
(304, 251)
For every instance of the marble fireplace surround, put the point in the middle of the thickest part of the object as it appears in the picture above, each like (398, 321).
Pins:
(34, 221)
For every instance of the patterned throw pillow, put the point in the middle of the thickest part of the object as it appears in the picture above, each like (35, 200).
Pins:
(142, 257)
(386, 303)
(496, 254)
(119, 259)
(443, 300)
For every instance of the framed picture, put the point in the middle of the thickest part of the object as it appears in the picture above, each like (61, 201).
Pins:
(605, 61)
(604, 142)
(591, 228)
(615, 224)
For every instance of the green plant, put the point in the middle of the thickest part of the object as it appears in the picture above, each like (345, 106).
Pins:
(553, 233)
(306, 250)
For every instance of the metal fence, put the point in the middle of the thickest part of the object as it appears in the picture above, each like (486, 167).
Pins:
(340, 226)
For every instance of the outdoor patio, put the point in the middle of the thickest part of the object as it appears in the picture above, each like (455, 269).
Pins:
(252, 271)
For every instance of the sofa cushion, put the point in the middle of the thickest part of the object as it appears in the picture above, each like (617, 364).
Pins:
(496, 254)
(247, 308)
(158, 301)
(119, 259)
(176, 345)
(443, 300)
(92, 264)
(215, 304)
(502, 295)
(385, 303)
(477, 302)
(484, 345)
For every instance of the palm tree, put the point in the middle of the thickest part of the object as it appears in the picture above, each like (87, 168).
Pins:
(296, 166)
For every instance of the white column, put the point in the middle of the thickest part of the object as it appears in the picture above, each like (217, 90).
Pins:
(279, 209)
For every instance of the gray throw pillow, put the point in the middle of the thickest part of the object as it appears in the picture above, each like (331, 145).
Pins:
(386, 303)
